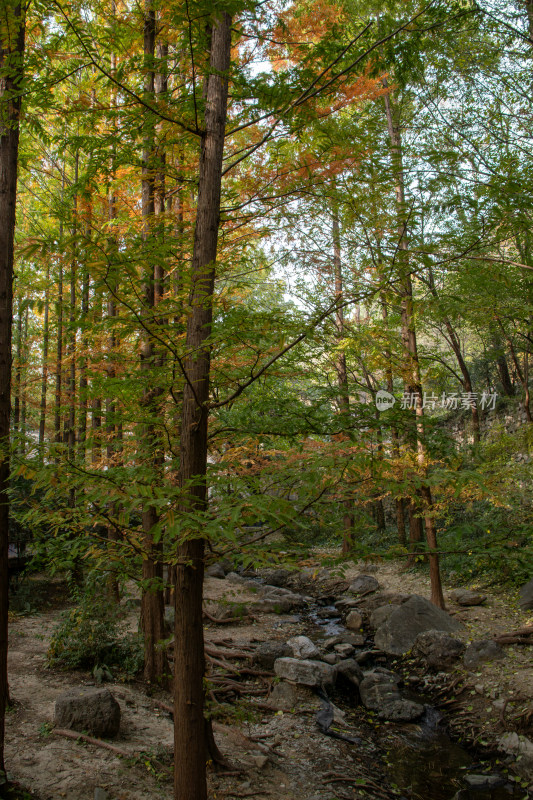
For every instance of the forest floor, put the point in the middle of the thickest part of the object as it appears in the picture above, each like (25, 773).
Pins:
(276, 754)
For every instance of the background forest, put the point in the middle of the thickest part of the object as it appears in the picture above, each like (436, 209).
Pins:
(272, 290)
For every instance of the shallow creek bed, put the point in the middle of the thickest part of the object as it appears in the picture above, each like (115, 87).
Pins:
(282, 736)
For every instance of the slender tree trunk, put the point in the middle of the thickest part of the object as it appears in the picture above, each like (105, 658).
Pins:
(18, 373)
(59, 348)
(189, 724)
(96, 403)
(12, 30)
(44, 376)
(412, 373)
(400, 518)
(156, 668)
(84, 317)
(348, 521)
(23, 385)
(71, 353)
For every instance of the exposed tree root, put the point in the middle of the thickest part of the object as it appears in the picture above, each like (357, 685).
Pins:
(90, 740)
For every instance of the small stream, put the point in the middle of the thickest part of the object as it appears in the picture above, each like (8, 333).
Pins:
(421, 759)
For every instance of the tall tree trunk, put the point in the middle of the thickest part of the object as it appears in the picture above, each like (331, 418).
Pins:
(348, 521)
(412, 375)
(44, 376)
(400, 519)
(189, 725)
(59, 347)
(156, 668)
(18, 373)
(84, 316)
(71, 352)
(12, 30)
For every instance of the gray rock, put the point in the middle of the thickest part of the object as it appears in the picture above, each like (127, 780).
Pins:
(467, 597)
(522, 749)
(344, 603)
(398, 633)
(484, 781)
(331, 658)
(437, 649)
(285, 696)
(215, 571)
(304, 672)
(344, 649)
(526, 596)
(480, 651)
(366, 655)
(268, 652)
(379, 692)
(100, 794)
(364, 583)
(354, 620)
(380, 615)
(355, 639)
(88, 709)
(303, 647)
(279, 602)
(379, 599)
(276, 577)
(234, 577)
(350, 669)
(327, 613)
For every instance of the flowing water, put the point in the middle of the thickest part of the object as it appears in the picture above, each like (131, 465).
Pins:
(422, 761)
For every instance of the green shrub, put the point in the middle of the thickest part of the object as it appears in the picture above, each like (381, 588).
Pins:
(93, 635)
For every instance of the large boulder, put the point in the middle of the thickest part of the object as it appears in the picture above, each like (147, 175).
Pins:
(379, 692)
(305, 672)
(286, 696)
(276, 577)
(526, 596)
(303, 647)
(373, 601)
(267, 653)
(398, 633)
(482, 650)
(437, 649)
(380, 616)
(363, 584)
(88, 709)
(276, 600)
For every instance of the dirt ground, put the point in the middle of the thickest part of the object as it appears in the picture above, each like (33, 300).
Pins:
(278, 754)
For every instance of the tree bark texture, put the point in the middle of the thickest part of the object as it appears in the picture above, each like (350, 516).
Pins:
(189, 725)
(12, 31)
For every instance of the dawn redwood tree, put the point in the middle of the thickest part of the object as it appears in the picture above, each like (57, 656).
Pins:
(153, 610)
(12, 37)
(189, 724)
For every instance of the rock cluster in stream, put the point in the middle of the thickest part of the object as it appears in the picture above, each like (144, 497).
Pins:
(402, 624)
